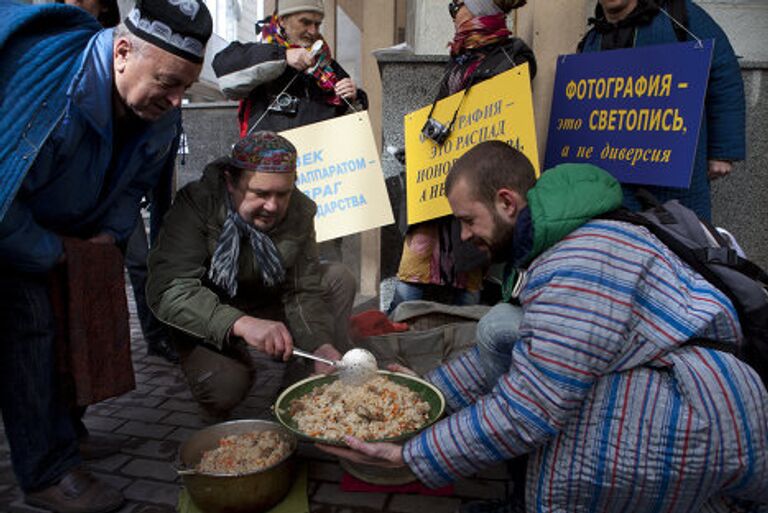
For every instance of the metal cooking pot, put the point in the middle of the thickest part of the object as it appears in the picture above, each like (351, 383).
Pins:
(235, 493)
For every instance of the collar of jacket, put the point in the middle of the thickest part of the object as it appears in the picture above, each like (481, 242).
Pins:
(643, 14)
(563, 199)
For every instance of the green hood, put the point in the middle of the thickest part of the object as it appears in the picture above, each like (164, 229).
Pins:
(566, 197)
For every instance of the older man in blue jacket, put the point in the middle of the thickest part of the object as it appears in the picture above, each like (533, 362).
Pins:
(90, 122)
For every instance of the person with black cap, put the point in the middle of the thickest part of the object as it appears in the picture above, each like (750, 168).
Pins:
(158, 200)
(93, 125)
(236, 266)
(284, 81)
(434, 259)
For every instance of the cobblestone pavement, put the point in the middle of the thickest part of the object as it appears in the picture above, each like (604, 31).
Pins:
(159, 414)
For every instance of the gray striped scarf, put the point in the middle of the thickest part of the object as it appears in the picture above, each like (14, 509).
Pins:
(223, 271)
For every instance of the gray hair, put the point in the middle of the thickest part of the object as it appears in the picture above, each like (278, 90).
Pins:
(121, 31)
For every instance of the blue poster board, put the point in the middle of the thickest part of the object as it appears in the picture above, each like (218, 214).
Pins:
(635, 113)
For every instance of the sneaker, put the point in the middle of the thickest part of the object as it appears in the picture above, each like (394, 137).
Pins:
(164, 350)
(77, 492)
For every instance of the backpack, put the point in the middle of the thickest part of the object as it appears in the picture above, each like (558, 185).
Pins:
(706, 251)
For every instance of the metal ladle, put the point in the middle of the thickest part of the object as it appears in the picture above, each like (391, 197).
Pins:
(355, 368)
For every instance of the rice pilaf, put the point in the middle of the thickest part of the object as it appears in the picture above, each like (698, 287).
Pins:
(249, 452)
(378, 409)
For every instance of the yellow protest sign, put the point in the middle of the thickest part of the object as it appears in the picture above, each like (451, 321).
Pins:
(338, 168)
(500, 108)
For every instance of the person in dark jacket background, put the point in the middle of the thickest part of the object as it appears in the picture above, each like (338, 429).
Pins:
(433, 253)
(633, 23)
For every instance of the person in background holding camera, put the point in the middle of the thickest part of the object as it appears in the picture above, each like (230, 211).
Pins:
(289, 79)
(433, 253)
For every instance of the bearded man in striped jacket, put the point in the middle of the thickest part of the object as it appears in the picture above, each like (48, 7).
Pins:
(590, 377)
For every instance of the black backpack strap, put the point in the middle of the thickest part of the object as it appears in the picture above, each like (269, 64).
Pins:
(686, 254)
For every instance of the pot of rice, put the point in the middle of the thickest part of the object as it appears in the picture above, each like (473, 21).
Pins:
(242, 466)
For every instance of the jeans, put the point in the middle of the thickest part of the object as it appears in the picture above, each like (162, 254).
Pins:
(37, 423)
(136, 263)
(497, 333)
(405, 291)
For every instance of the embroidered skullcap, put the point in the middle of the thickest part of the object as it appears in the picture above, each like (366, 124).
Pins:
(264, 152)
(492, 7)
(286, 7)
(181, 27)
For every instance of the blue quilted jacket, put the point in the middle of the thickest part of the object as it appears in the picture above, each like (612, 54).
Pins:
(58, 174)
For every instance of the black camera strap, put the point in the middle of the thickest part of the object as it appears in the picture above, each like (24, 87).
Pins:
(284, 91)
(455, 113)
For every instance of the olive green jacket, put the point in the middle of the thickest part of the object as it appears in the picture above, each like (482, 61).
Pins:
(181, 295)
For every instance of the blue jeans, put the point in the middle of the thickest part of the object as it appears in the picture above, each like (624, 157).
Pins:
(405, 291)
(37, 422)
(497, 333)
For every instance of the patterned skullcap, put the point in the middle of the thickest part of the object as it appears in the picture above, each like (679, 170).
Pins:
(492, 7)
(264, 152)
(181, 27)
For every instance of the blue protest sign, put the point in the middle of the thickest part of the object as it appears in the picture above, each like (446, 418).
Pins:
(635, 113)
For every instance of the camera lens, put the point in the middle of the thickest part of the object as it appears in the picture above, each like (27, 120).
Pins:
(283, 100)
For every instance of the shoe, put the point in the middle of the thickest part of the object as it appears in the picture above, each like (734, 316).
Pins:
(95, 447)
(77, 492)
(164, 350)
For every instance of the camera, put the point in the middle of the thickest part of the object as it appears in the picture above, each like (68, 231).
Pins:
(436, 131)
(284, 103)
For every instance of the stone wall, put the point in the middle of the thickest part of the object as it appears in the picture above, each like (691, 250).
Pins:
(211, 129)
(740, 201)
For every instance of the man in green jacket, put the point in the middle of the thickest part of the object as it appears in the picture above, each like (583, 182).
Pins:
(236, 265)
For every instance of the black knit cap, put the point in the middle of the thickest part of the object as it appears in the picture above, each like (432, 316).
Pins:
(181, 27)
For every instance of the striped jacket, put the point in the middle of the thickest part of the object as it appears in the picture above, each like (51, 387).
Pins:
(615, 414)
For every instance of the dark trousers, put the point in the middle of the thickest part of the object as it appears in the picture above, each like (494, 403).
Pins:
(37, 423)
(220, 380)
(136, 263)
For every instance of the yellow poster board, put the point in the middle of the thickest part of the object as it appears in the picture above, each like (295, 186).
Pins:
(500, 108)
(338, 167)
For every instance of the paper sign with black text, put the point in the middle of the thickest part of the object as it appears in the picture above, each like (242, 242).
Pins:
(500, 108)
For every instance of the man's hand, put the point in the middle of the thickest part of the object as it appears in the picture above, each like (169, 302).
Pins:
(299, 58)
(328, 352)
(270, 337)
(380, 454)
(719, 169)
(346, 89)
(103, 238)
